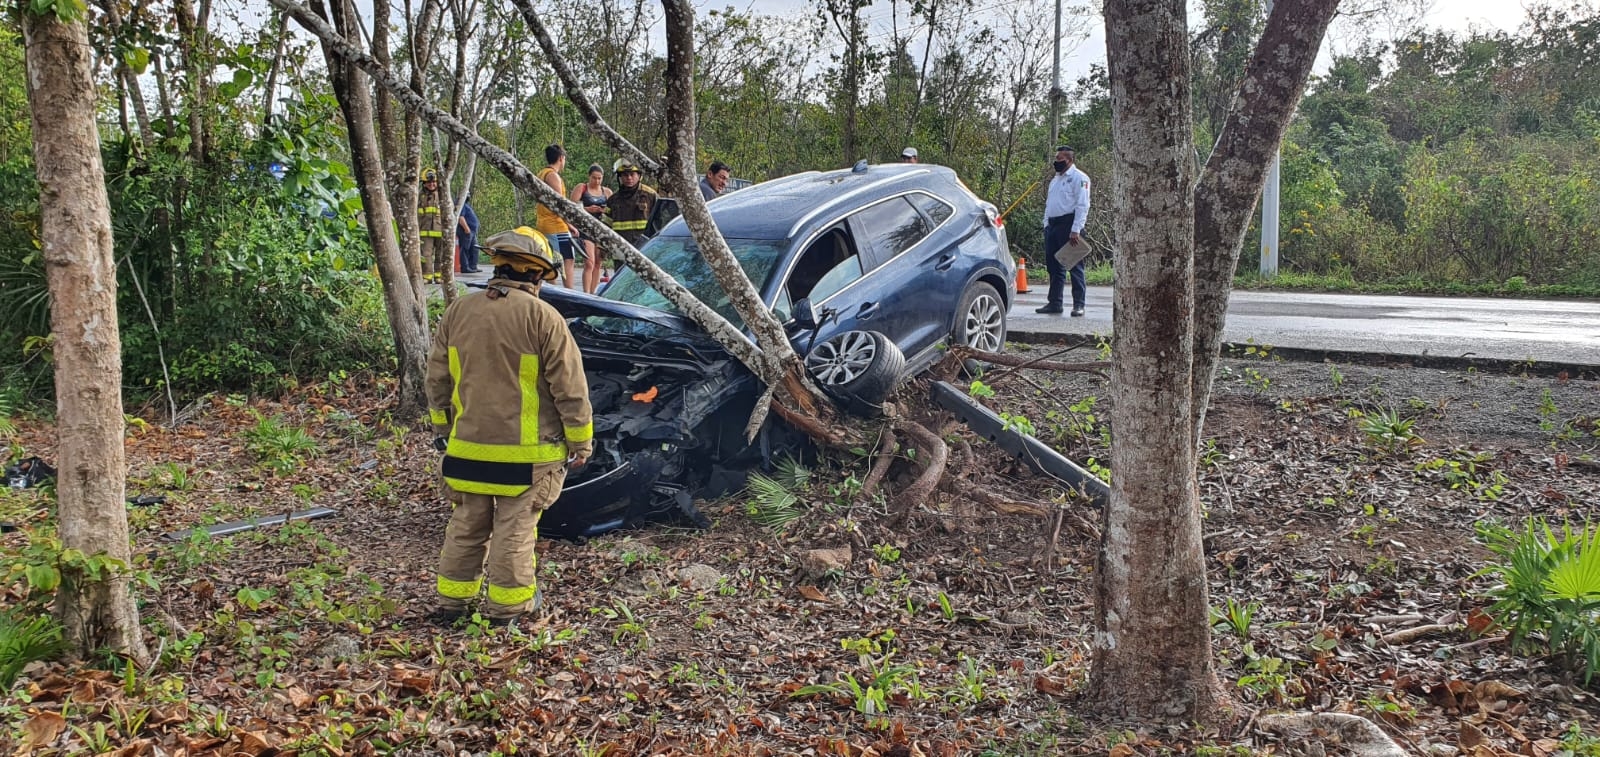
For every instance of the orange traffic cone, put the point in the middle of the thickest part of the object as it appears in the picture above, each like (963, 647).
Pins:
(1022, 275)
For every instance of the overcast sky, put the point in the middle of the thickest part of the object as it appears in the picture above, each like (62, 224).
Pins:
(1452, 15)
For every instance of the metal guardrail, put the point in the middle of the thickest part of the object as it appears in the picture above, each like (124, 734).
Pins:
(1032, 452)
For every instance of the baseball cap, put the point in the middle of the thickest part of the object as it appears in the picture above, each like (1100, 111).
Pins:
(909, 152)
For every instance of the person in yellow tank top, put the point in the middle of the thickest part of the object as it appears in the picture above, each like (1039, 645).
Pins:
(547, 222)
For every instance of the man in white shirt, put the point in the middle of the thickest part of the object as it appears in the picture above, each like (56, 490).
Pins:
(1066, 208)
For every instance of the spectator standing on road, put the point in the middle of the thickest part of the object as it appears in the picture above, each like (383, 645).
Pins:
(1066, 208)
(909, 155)
(630, 206)
(592, 195)
(467, 237)
(715, 182)
(430, 224)
(552, 226)
(509, 405)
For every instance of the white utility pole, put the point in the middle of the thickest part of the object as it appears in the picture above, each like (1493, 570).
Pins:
(1055, 87)
(1269, 208)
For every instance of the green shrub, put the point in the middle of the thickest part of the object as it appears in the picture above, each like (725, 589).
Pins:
(25, 637)
(1548, 595)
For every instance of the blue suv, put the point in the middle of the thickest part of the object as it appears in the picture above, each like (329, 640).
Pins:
(871, 269)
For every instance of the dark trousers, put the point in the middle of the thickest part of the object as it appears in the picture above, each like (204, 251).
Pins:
(1056, 233)
(469, 251)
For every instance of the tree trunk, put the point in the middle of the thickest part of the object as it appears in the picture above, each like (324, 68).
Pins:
(95, 606)
(407, 317)
(1234, 174)
(1152, 652)
(422, 31)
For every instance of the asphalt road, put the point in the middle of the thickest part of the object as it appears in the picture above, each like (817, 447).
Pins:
(1562, 332)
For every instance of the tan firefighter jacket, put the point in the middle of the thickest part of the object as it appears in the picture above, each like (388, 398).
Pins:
(506, 387)
(430, 219)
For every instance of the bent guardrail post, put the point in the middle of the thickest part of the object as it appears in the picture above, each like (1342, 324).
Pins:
(1034, 453)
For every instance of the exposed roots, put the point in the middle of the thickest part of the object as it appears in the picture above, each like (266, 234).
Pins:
(934, 455)
(881, 462)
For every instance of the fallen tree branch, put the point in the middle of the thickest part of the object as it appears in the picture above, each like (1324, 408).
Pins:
(1394, 620)
(1097, 367)
(1353, 733)
(1408, 635)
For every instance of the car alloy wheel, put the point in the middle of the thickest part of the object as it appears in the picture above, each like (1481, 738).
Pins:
(858, 369)
(842, 360)
(984, 322)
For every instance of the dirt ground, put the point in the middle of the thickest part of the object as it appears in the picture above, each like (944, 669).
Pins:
(944, 634)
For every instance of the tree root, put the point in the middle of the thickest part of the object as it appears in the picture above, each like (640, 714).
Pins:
(1353, 733)
(934, 454)
(880, 462)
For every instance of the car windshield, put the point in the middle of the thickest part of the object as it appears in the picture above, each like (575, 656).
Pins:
(680, 257)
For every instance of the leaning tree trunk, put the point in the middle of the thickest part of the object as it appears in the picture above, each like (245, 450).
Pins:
(95, 605)
(1231, 182)
(1152, 652)
(407, 317)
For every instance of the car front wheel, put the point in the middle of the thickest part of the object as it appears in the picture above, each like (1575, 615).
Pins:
(857, 368)
(981, 318)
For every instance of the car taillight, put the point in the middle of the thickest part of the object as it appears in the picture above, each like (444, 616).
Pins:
(995, 219)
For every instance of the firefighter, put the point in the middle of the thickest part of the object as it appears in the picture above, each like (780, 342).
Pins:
(630, 206)
(430, 223)
(510, 410)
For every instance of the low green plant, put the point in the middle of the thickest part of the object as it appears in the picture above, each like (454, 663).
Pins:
(771, 504)
(281, 448)
(25, 637)
(1548, 595)
(1467, 471)
(1236, 616)
(1387, 431)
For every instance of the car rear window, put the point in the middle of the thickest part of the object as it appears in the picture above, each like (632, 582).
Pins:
(935, 209)
(892, 226)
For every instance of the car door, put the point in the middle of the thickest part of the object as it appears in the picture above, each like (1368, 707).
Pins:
(908, 276)
(828, 272)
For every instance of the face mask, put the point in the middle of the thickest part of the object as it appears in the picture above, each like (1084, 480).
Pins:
(1061, 165)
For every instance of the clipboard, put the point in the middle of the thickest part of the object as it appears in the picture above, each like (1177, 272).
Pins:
(1071, 254)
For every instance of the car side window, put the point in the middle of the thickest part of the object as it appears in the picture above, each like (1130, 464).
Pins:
(938, 211)
(892, 227)
(828, 265)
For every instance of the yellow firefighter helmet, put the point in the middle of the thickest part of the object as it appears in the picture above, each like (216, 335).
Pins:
(523, 249)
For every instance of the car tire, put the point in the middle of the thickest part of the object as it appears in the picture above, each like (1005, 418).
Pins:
(858, 369)
(980, 318)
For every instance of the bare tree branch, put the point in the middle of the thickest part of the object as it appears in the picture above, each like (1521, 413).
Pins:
(579, 98)
(720, 329)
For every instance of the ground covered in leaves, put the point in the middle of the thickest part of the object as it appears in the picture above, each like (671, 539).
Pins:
(1343, 553)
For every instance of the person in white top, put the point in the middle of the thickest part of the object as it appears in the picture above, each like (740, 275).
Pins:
(1066, 208)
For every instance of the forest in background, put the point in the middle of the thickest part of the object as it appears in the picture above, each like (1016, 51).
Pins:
(1432, 161)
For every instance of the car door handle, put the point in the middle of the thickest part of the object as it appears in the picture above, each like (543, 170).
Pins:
(945, 261)
(867, 310)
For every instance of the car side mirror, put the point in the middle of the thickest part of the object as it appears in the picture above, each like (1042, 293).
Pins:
(804, 316)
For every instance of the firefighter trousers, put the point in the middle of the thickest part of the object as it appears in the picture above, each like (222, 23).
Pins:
(505, 529)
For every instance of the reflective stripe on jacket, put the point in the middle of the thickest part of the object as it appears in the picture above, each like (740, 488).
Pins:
(506, 386)
(429, 220)
(630, 209)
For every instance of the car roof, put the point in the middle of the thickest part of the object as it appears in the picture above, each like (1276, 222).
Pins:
(782, 208)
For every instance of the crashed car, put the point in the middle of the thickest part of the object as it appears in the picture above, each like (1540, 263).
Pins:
(871, 269)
